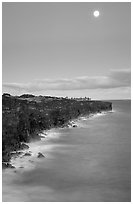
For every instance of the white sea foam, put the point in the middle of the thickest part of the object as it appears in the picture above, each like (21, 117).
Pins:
(44, 146)
(100, 114)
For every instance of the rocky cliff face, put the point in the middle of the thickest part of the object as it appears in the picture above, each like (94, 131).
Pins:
(23, 117)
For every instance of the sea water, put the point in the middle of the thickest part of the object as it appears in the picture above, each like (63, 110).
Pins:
(90, 163)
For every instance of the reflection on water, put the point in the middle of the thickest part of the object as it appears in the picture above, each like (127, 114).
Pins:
(91, 163)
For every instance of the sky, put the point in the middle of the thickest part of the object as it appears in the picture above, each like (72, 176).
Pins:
(61, 49)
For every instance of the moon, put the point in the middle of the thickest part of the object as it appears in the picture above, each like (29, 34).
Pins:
(96, 14)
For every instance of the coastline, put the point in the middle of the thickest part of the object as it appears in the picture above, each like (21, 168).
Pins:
(98, 147)
(26, 159)
(24, 117)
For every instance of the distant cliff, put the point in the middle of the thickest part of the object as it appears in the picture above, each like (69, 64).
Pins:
(24, 116)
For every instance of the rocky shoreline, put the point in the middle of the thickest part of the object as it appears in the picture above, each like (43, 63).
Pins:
(27, 152)
(25, 117)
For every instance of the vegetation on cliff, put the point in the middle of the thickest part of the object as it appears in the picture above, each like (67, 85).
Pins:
(24, 116)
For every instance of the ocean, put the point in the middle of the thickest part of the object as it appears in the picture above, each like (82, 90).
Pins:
(90, 163)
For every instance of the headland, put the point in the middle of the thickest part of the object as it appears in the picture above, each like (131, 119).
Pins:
(25, 116)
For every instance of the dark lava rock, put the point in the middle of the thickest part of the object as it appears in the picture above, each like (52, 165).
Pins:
(40, 155)
(7, 165)
(27, 154)
(24, 146)
(15, 153)
(19, 153)
(74, 125)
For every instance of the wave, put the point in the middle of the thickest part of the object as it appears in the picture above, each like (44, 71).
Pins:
(28, 158)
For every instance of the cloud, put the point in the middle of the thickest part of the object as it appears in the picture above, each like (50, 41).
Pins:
(115, 79)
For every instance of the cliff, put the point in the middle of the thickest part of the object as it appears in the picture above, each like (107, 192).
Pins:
(24, 116)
